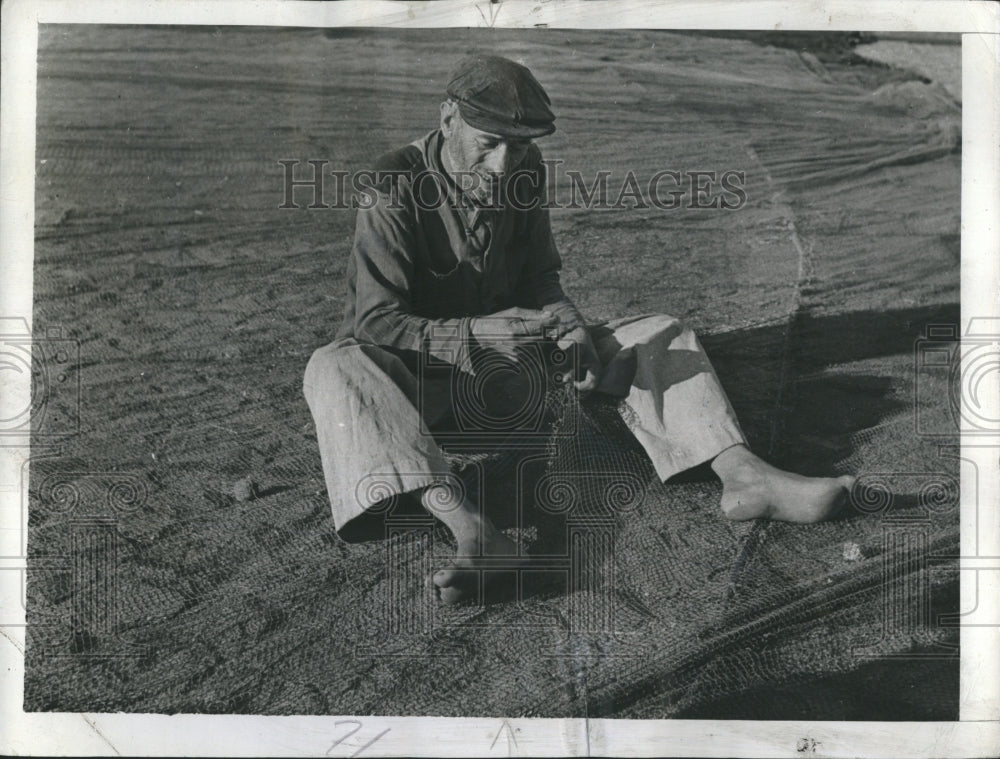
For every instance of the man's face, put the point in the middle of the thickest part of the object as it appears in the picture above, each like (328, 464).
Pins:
(478, 159)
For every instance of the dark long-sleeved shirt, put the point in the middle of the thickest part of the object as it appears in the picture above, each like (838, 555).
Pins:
(425, 260)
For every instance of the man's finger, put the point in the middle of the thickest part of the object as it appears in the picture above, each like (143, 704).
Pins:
(524, 313)
(588, 383)
(530, 327)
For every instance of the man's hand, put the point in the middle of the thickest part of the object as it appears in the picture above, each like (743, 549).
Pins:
(503, 331)
(590, 365)
(500, 331)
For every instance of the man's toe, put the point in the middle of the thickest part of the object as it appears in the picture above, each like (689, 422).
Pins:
(446, 577)
(451, 595)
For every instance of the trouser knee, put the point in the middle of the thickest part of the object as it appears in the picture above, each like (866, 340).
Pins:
(355, 368)
(668, 322)
(325, 371)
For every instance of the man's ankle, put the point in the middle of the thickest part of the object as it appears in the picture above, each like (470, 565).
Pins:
(732, 459)
(456, 511)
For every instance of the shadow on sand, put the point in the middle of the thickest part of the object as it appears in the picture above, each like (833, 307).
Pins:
(783, 383)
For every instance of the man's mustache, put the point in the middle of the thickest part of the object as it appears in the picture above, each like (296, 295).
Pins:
(475, 179)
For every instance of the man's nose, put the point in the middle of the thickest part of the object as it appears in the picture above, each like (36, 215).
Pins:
(498, 160)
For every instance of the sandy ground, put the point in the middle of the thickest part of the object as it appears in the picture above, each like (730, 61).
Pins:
(196, 302)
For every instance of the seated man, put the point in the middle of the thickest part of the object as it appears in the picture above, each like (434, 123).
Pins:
(455, 256)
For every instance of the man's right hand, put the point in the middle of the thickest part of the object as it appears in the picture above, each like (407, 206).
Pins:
(503, 330)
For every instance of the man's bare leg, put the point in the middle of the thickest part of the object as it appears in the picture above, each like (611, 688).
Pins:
(477, 537)
(753, 489)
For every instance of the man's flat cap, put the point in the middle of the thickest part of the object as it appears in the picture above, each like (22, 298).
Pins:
(502, 97)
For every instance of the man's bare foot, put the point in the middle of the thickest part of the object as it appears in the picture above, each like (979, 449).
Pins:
(753, 489)
(480, 544)
(460, 581)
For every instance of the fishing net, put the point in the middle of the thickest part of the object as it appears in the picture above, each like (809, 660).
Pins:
(196, 300)
(655, 621)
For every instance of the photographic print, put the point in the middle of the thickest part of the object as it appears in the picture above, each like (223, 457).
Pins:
(573, 373)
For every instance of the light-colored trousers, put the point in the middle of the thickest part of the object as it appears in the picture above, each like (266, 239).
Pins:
(373, 433)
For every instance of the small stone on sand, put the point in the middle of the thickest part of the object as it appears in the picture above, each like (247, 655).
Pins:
(852, 552)
(245, 490)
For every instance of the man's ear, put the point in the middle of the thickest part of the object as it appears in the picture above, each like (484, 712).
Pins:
(449, 117)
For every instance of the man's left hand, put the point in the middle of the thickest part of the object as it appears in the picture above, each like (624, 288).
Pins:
(578, 340)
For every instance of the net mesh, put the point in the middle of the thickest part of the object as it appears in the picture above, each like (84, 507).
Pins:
(258, 606)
